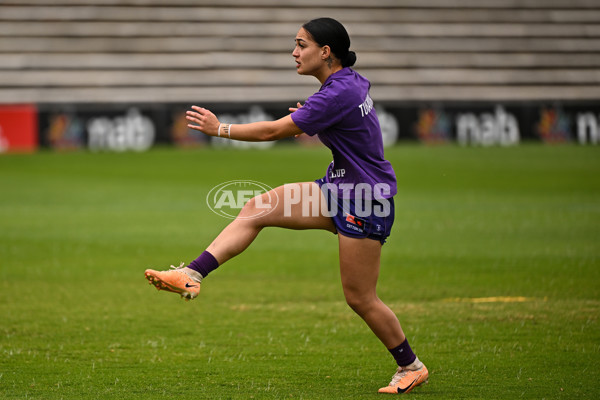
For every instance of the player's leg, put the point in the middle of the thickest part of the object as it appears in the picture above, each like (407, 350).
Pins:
(359, 268)
(288, 213)
(300, 211)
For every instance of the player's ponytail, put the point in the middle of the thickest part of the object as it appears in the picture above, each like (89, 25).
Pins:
(329, 32)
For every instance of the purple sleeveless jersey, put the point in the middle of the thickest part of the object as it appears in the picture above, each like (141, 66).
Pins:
(341, 113)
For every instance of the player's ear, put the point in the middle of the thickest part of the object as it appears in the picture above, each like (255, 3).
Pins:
(325, 52)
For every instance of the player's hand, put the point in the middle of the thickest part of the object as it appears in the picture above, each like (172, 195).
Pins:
(202, 120)
(298, 105)
(292, 109)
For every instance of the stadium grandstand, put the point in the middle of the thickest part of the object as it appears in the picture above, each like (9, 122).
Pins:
(178, 51)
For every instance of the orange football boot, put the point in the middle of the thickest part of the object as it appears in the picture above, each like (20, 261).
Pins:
(181, 280)
(407, 378)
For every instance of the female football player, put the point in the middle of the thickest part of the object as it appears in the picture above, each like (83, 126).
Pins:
(355, 195)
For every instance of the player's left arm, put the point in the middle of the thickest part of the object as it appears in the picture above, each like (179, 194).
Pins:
(205, 121)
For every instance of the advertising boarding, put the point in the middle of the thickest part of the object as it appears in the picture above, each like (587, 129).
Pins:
(139, 127)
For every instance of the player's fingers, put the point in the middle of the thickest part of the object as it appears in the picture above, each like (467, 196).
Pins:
(193, 114)
(193, 118)
(200, 110)
(195, 127)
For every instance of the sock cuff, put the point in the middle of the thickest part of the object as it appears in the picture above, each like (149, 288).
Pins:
(204, 264)
(403, 354)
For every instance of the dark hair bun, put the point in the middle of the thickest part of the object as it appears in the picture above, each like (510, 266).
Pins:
(349, 60)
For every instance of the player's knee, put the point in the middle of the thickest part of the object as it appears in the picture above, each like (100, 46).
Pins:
(254, 208)
(250, 205)
(354, 303)
(358, 301)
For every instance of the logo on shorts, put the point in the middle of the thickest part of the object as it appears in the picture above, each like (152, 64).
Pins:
(227, 199)
(353, 220)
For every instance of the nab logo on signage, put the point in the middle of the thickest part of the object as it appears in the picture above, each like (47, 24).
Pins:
(132, 131)
(487, 129)
(588, 128)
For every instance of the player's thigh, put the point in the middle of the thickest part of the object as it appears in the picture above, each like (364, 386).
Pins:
(298, 206)
(359, 265)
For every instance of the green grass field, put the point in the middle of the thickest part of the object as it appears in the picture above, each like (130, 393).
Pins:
(493, 268)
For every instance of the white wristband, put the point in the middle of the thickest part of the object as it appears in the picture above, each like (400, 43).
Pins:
(219, 131)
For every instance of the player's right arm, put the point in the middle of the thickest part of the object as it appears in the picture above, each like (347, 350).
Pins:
(205, 121)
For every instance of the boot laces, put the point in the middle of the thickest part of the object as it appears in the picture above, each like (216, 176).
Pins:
(400, 373)
(181, 266)
(193, 275)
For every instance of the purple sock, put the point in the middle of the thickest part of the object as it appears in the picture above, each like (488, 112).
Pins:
(403, 354)
(204, 264)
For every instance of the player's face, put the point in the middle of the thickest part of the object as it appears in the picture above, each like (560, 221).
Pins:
(308, 54)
